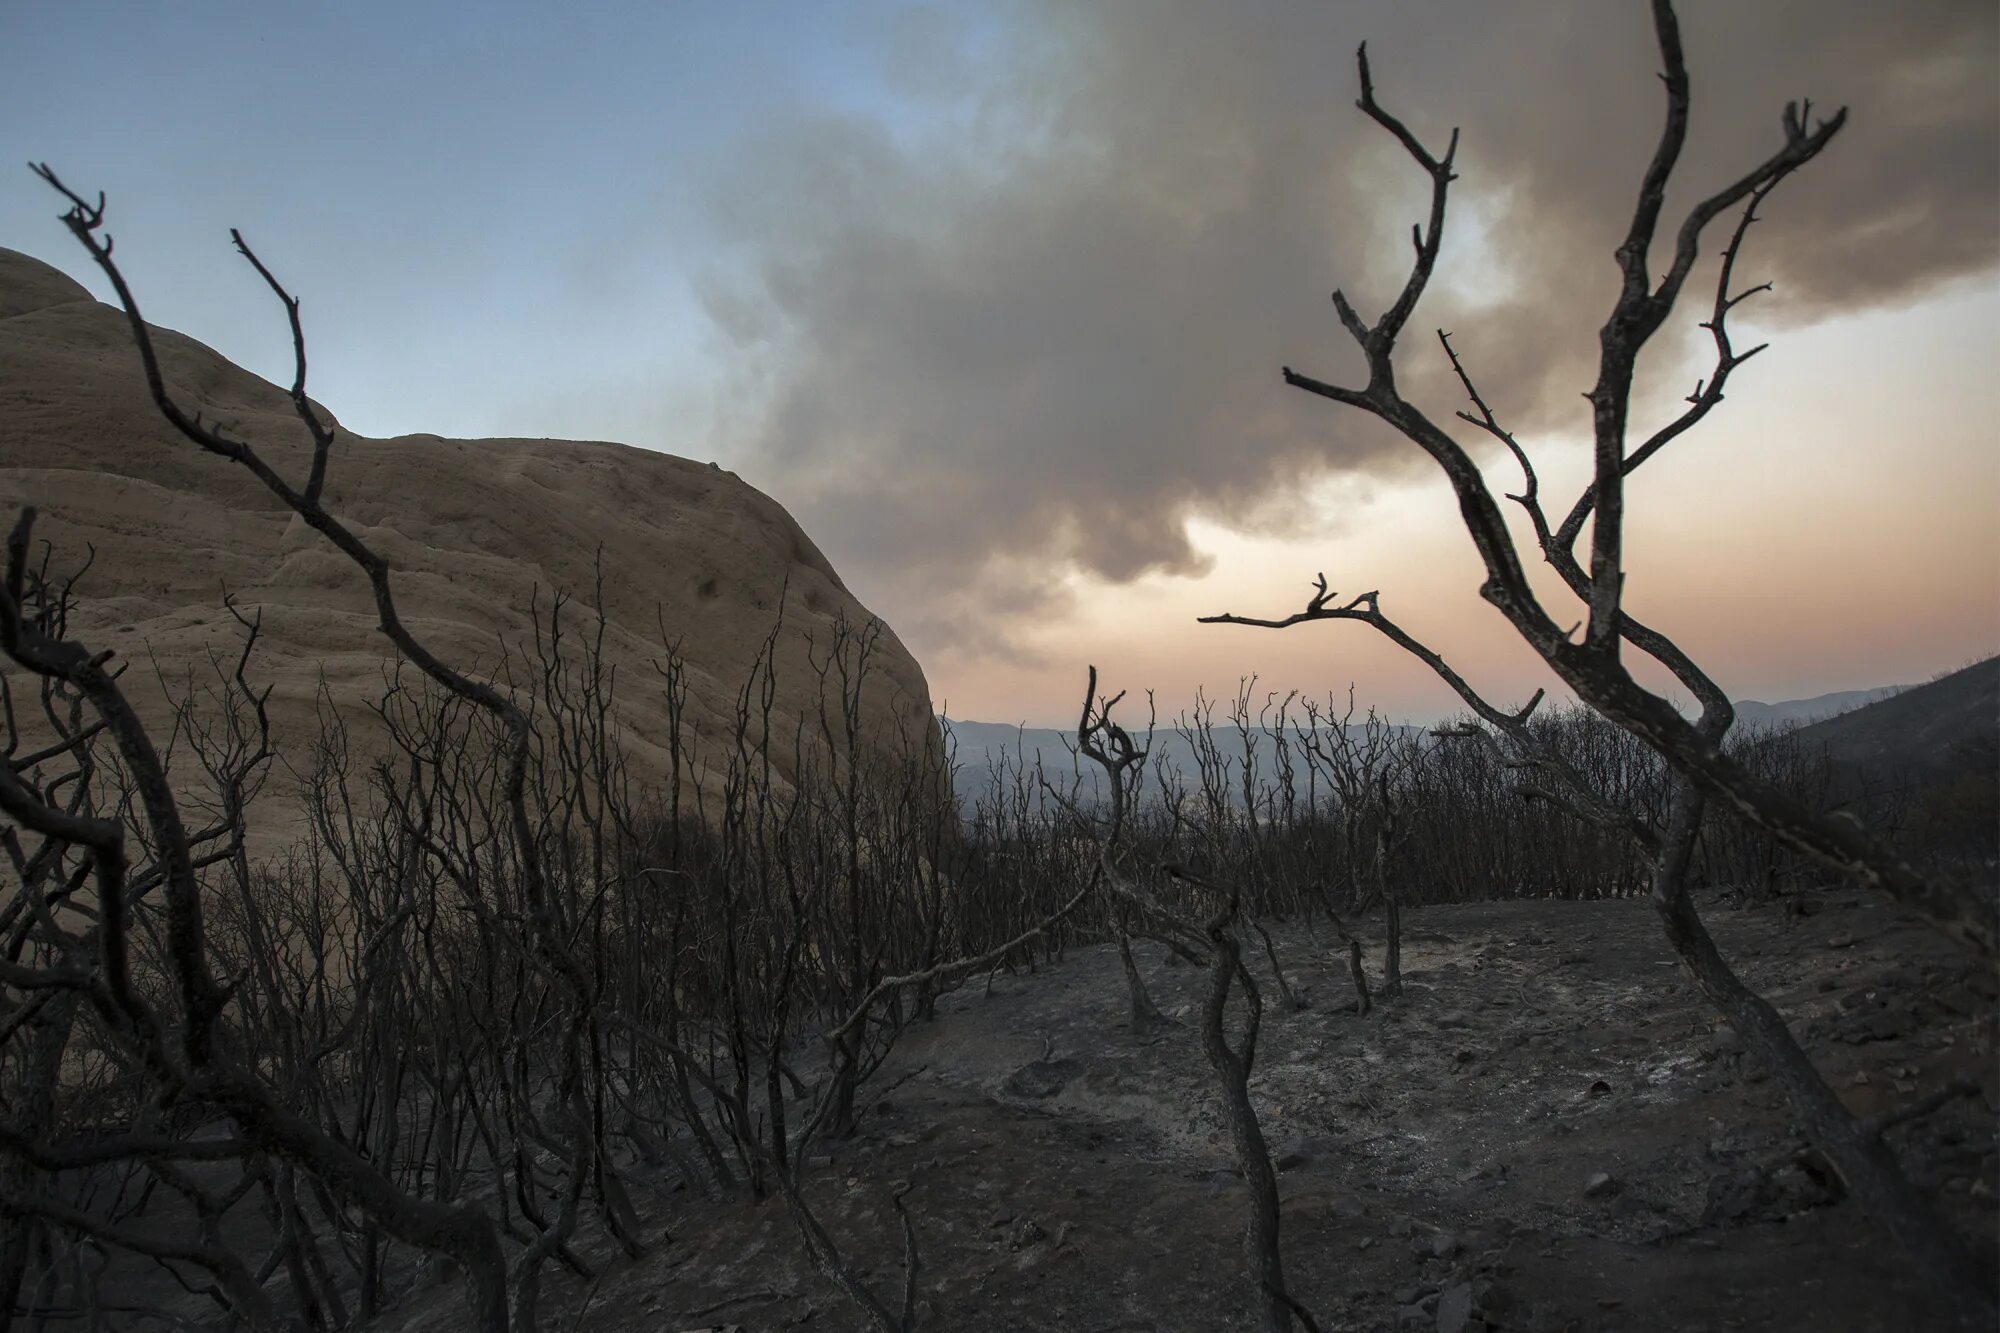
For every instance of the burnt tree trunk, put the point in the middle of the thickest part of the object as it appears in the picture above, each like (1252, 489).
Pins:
(1232, 1070)
(1855, 1150)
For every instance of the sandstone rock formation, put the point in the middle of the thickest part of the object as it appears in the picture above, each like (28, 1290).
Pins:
(473, 528)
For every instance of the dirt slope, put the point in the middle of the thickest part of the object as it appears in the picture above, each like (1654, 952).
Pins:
(474, 529)
(1941, 729)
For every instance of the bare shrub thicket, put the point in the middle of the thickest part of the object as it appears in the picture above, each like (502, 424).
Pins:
(748, 963)
(1321, 805)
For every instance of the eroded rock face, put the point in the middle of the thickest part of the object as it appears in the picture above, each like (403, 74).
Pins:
(474, 529)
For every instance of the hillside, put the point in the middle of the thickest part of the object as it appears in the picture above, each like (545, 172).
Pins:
(477, 531)
(1948, 727)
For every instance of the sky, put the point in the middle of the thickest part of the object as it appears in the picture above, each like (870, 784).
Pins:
(994, 296)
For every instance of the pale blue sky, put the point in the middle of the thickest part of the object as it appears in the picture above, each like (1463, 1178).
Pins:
(469, 198)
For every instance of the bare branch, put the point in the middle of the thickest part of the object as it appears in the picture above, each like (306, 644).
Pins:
(1380, 341)
(322, 434)
(1366, 609)
(1641, 309)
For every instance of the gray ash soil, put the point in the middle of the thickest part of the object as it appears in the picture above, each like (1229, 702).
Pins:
(1549, 1130)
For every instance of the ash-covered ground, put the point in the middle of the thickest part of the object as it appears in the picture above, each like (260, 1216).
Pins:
(1549, 1130)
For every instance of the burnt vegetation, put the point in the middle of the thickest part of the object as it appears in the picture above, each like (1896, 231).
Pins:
(501, 1002)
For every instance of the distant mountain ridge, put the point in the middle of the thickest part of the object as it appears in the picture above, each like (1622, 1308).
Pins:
(981, 747)
(1754, 713)
(1947, 727)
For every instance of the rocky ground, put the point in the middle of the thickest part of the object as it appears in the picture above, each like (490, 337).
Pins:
(1549, 1130)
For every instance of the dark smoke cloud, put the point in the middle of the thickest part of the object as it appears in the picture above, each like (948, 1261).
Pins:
(1034, 327)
